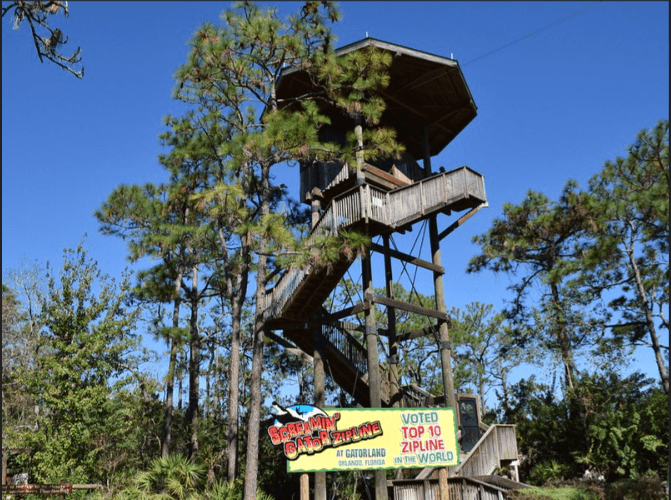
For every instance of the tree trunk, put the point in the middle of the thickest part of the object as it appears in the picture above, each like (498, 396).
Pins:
(170, 378)
(562, 338)
(504, 390)
(211, 348)
(649, 321)
(256, 398)
(481, 388)
(180, 379)
(234, 387)
(192, 416)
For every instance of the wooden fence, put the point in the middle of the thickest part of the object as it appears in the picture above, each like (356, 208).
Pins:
(460, 488)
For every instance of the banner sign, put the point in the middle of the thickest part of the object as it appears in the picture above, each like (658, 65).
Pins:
(333, 439)
(36, 489)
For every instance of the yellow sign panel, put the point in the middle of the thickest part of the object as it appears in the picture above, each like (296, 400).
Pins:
(334, 439)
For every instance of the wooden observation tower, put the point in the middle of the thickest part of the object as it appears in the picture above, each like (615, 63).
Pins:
(428, 103)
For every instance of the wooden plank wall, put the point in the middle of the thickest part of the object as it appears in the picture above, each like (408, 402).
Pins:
(460, 489)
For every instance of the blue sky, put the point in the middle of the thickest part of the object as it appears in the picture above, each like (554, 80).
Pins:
(551, 107)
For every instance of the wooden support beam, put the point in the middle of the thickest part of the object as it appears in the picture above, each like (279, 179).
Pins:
(407, 258)
(391, 323)
(351, 326)
(304, 482)
(289, 346)
(460, 221)
(319, 390)
(349, 311)
(415, 334)
(398, 304)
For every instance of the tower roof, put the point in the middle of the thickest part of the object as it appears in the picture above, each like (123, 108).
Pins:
(424, 90)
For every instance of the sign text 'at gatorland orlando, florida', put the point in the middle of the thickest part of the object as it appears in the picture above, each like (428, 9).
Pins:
(335, 439)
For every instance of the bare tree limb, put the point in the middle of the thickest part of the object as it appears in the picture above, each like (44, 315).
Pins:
(37, 14)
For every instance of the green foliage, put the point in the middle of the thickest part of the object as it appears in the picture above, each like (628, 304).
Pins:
(646, 487)
(591, 263)
(537, 243)
(19, 348)
(627, 252)
(578, 492)
(550, 470)
(176, 477)
(86, 342)
(610, 424)
(485, 351)
(346, 485)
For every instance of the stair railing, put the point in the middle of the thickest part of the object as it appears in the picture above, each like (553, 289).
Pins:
(496, 445)
(341, 212)
(394, 208)
(350, 348)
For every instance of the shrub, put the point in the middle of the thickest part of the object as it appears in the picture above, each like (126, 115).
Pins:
(547, 471)
(648, 487)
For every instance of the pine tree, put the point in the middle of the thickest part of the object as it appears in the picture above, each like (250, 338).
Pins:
(628, 202)
(141, 215)
(230, 78)
(537, 242)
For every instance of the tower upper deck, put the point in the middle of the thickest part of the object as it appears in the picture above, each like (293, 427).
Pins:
(425, 92)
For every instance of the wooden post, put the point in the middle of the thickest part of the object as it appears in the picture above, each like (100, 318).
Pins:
(391, 322)
(394, 388)
(358, 130)
(305, 486)
(318, 355)
(319, 382)
(445, 348)
(443, 486)
(315, 197)
(373, 362)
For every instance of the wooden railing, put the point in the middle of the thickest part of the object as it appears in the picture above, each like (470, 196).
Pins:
(496, 445)
(393, 209)
(336, 172)
(341, 212)
(355, 354)
(417, 199)
(349, 347)
(461, 488)
(415, 397)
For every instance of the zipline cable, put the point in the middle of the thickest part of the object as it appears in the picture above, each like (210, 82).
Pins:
(530, 34)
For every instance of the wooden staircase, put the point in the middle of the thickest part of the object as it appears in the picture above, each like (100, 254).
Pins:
(497, 447)
(473, 478)
(302, 291)
(295, 304)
